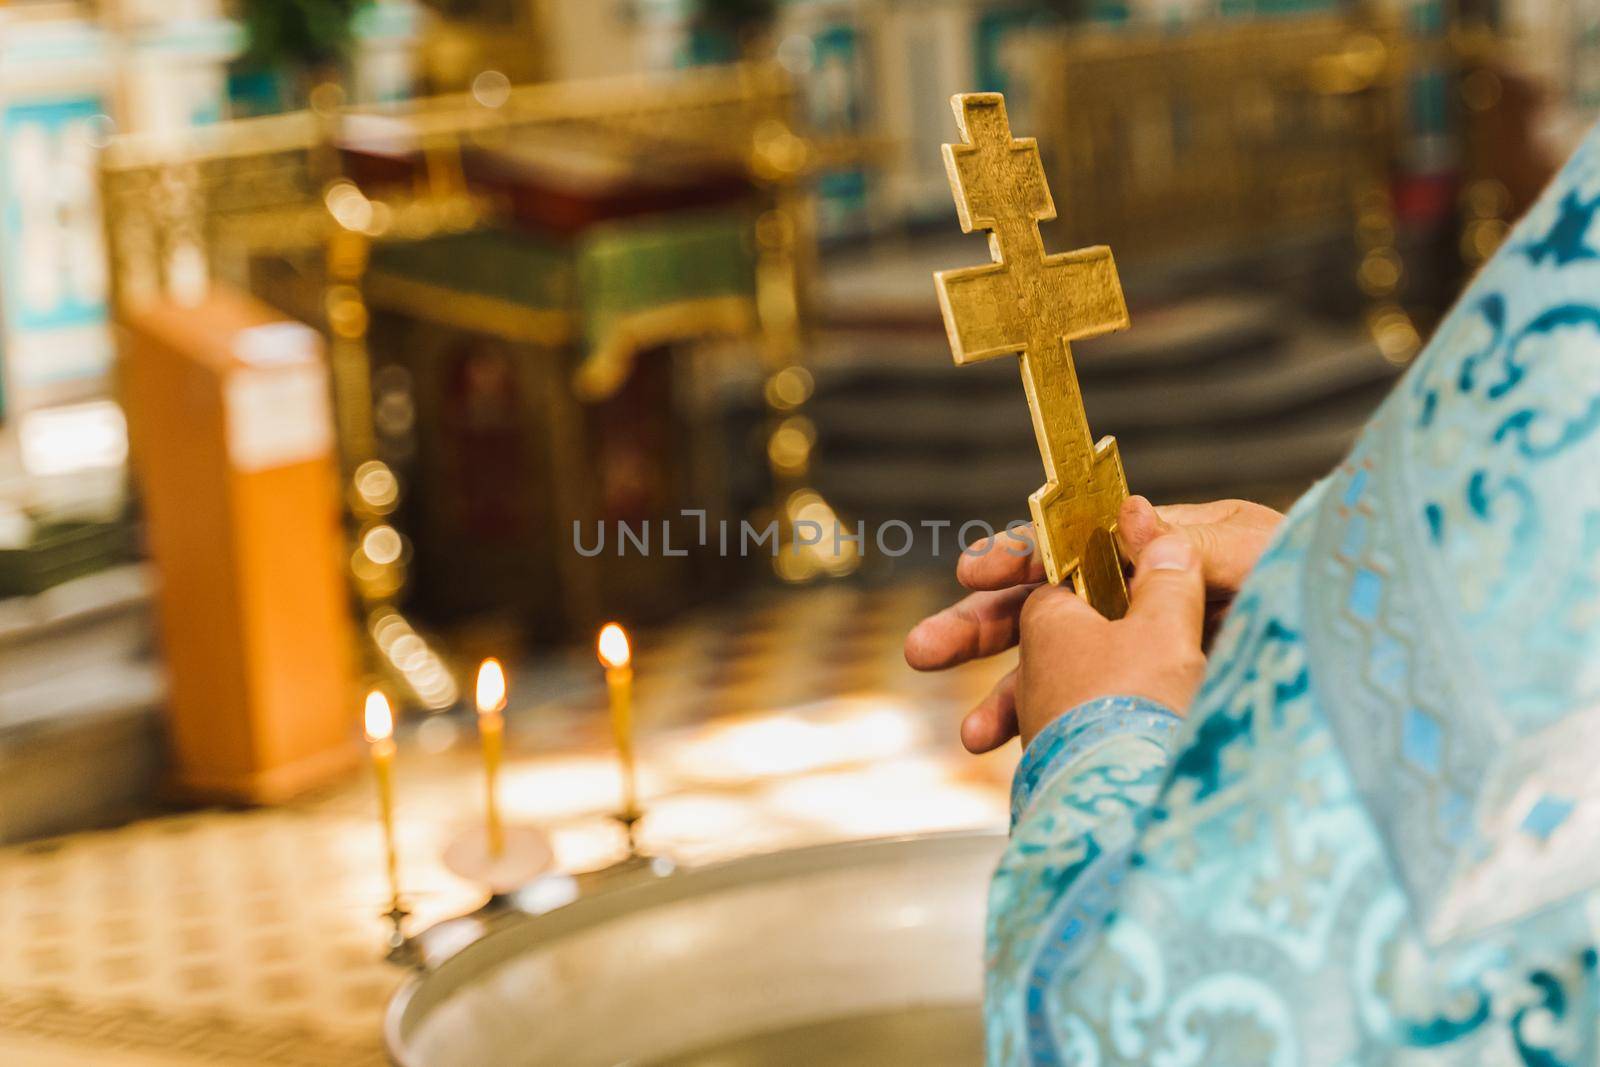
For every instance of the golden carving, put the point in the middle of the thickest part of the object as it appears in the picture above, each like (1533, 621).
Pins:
(545, 327)
(219, 195)
(1239, 134)
(1031, 304)
(610, 359)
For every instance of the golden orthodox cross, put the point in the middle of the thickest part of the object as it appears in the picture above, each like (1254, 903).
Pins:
(1029, 304)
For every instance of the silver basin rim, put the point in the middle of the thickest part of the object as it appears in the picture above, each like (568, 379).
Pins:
(516, 933)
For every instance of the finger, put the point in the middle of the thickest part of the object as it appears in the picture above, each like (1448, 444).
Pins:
(1211, 512)
(978, 625)
(1228, 551)
(1168, 593)
(1230, 535)
(999, 562)
(994, 721)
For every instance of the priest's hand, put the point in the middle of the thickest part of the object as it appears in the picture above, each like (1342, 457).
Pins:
(1070, 654)
(1228, 536)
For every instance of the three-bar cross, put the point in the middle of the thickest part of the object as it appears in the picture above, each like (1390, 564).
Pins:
(1032, 304)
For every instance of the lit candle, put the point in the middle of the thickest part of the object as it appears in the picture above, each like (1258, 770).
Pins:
(491, 731)
(615, 657)
(380, 735)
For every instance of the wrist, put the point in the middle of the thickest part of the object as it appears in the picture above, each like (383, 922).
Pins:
(1068, 737)
(1172, 690)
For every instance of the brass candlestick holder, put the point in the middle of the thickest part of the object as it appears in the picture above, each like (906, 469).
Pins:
(378, 721)
(401, 949)
(616, 656)
(514, 863)
(499, 856)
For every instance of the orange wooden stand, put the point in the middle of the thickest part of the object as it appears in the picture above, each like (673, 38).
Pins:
(234, 454)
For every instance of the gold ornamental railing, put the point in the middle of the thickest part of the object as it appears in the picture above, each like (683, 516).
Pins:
(1230, 136)
(181, 210)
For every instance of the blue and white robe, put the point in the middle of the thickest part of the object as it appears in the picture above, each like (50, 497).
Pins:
(1375, 839)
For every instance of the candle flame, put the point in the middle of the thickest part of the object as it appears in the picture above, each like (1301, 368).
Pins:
(380, 720)
(613, 646)
(491, 686)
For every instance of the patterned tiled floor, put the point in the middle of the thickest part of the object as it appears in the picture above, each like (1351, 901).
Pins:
(234, 938)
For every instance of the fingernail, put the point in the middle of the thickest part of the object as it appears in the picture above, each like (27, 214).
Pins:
(1173, 553)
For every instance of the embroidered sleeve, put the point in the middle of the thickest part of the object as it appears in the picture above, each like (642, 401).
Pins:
(1075, 804)
(1083, 728)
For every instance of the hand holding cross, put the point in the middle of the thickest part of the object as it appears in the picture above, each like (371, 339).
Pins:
(1032, 304)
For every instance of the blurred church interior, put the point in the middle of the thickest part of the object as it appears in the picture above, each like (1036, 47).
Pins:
(334, 333)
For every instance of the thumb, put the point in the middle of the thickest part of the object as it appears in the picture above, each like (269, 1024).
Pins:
(1140, 523)
(1169, 592)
